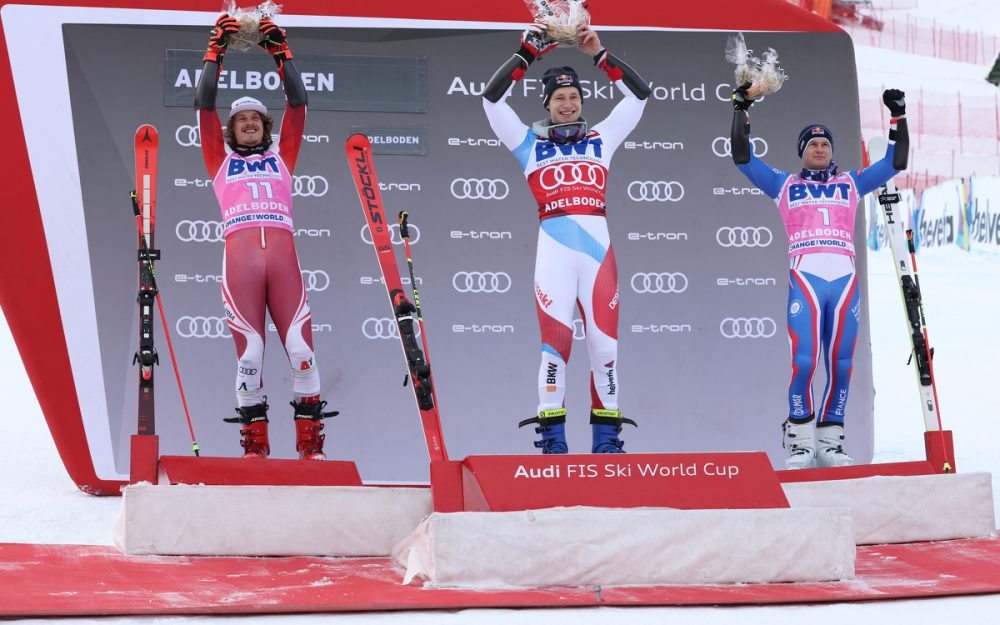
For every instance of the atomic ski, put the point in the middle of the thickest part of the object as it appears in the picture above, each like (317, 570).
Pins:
(146, 148)
(359, 156)
(904, 255)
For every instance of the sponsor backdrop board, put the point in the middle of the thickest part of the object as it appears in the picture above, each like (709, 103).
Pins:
(702, 258)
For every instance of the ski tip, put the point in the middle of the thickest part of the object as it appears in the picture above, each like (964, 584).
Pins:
(358, 140)
(146, 133)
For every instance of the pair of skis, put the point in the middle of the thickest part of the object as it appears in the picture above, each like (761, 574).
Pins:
(359, 156)
(144, 208)
(904, 255)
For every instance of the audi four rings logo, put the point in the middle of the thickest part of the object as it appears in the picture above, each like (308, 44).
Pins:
(738, 236)
(481, 282)
(572, 173)
(309, 186)
(199, 231)
(202, 327)
(655, 191)
(722, 146)
(382, 328)
(748, 327)
(579, 330)
(315, 280)
(397, 239)
(479, 189)
(659, 283)
(188, 136)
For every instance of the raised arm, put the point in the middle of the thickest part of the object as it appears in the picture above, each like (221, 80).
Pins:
(293, 122)
(505, 123)
(213, 146)
(626, 115)
(764, 177)
(896, 156)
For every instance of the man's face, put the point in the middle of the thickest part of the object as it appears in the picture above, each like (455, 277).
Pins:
(249, 128)
(565, 105)
(818, 154)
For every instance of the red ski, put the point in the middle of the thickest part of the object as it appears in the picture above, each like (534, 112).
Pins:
(146, 148)
(359, 156)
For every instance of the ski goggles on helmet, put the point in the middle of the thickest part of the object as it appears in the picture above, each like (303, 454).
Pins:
(567, 132)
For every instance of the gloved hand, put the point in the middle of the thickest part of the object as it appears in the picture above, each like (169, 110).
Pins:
(274, 42)
(894, 100)
(741, 101)
(536, 40)
(224, 27)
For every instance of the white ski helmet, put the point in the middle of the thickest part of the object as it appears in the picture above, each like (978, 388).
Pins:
(247, 103)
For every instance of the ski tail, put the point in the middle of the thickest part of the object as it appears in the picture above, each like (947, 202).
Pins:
(359, 157)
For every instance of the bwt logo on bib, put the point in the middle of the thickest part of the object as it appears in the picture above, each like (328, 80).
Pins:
(545, 150)
(238, 166)
(819, 191)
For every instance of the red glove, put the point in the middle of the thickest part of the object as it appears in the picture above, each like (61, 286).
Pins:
(224, 27)
(274, 41)
(536, 40)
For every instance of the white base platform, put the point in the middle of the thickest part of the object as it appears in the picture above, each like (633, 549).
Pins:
(267, 520)
(641, 546)
(906, 509)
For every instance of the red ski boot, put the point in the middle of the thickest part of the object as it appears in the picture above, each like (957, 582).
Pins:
(308, 440)
(254, 431)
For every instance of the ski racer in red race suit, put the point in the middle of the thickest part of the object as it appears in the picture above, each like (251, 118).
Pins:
(252, 178)
(565, 162)
(818, 207)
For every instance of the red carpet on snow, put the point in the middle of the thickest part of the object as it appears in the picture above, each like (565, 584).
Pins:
(68, 580)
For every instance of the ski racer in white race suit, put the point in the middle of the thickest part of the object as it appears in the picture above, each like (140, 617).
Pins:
(565, 162)
(818, 206)
(252, 178)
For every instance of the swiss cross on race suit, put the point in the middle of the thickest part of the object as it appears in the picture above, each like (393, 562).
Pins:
(569, 178)
(240, 169)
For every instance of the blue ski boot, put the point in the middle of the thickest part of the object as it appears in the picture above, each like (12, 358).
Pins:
(607, 426)
(552, 427)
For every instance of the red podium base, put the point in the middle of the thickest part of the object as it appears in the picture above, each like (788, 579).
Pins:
(148, 466)
(684, 481)
(244, 472)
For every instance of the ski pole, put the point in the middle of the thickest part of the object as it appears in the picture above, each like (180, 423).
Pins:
(927, 345)
(404, 233)
(163, 318)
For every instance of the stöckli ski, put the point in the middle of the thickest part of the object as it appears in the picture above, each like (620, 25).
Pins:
(359, 156)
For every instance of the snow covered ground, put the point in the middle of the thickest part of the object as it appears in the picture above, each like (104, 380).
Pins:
(39, 503)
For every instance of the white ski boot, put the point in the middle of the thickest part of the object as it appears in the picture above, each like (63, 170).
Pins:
(830, 447)
(800, 441)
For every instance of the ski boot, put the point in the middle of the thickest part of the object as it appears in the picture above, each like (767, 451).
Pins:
(799, 438)
(254, 430)
(607, 425)
(552, 427)
(830, 447)
(308, 440)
